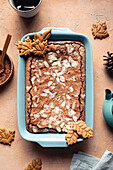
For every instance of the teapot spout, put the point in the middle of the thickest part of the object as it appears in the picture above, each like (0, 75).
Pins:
(108, 94)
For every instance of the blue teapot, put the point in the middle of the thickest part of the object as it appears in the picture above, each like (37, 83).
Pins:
(108, 107)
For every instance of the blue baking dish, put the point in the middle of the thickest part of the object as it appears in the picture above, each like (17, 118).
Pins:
(52, 139)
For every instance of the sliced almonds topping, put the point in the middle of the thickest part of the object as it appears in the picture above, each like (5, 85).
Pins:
(75, 130)
(39, 45)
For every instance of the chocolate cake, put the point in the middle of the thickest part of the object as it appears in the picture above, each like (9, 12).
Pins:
(55, 87)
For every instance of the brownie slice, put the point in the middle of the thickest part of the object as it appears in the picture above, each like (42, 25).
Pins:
(55, 87)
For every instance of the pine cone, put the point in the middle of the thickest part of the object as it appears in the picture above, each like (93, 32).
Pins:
(109, 61)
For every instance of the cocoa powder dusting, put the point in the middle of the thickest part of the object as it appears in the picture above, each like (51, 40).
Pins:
(4, 75)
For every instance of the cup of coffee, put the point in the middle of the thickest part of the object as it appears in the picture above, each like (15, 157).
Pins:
(26, 8)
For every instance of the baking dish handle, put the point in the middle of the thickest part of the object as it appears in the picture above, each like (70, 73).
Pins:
(59, 30)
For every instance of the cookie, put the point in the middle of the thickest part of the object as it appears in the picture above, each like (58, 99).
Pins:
(99, 30)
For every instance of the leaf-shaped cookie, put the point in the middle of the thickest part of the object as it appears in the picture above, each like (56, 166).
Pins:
(25, 46)
(38, 47)
(71, 138)
(82, 129)
(46, 35)
(6, 137)
(99, 30)
(35, 165)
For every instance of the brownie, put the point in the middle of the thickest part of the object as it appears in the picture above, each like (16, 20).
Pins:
(55, 87)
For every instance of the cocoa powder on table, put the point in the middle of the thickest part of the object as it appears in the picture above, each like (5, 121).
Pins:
(7, 69)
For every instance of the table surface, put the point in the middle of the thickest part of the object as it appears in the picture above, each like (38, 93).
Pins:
(78, 16)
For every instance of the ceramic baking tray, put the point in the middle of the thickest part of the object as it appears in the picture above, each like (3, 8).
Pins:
(55, 139)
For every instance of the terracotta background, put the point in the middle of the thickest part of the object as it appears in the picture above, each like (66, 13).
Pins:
(78, 15)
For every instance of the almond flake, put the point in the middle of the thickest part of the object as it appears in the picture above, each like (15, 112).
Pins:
(63, 104)
(61, 101)
(28, 87)
(44, 115)
(75, 118)
(70, 48)
(62, 78)
(71, 89)
(62, 84)
(49, 126)
(35, 88)
(46, 64)
(82, 95)
(52, 95)
(35, 130)
(36, 116)
(76, 95)
(44, 94)
(60, 59)
(56, 71)
(36, 75)
(70, 59)
(64, 129)
(57, 122)
(73, 105)
(67, 105)
(57, 51)
(63, 69)
(28, 99)
(66, 63)
(40, 64)
(57, 79)
(52, 87)
(40, 73)
(32, 66)
(62, 125)
(52, 118)
(67, 119)
(71, 112)
(75, 52)
(74, 63)
(58, 129)
(38, 79)
(52, 56)
(33, 78)
(57, 63)
(46, 73)
(46, 91)
(51, 104)
(68, 97)
(69, 123)
(50, 82)
(57, 110)
(45, 107)
(35, 105)
(73, 78)
(40, 61)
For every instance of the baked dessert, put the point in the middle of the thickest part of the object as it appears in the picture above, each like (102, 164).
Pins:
(55, 87)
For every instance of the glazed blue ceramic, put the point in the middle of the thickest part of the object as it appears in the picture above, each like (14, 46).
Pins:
(108, 107)
(55, 139)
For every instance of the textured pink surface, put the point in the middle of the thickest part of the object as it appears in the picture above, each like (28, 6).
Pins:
(78, 16)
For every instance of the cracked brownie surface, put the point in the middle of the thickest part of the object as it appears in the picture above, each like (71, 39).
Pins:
(55, 87)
